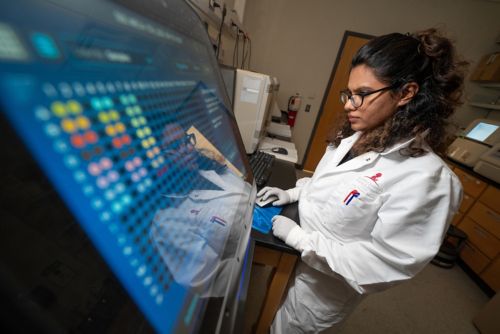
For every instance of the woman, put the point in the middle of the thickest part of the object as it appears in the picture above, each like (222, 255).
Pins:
(377, 207)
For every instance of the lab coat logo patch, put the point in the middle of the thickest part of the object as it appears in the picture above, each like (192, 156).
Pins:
(375, 177)
(354, 193)
(218, 220)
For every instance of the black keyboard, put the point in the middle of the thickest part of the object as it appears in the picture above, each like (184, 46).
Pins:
(261, 164)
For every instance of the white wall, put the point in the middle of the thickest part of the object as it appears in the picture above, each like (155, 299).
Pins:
(297, 41)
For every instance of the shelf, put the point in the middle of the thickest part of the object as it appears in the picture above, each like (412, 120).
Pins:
(485, 105)
(494, 85)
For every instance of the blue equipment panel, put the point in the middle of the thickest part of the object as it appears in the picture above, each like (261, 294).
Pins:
(94, 90)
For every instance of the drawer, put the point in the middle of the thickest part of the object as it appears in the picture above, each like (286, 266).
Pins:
(491, 197)
(476, 260)
(482, 239)
(472, 185)
(457, 218)
(486, 217)
(492, 275)
(467, 202)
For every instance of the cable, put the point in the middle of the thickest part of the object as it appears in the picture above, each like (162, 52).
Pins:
(243, 51)
(234, 25)
(219, 35)
(236, 49)
(249, 52)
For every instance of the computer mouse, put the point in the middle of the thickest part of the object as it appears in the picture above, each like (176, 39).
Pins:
(279, 150)
(262, 203)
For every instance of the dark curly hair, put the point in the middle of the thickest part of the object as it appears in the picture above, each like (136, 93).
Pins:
(427, 58)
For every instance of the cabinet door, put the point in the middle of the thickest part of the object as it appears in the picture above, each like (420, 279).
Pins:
(467, 202)
(492, 275)
(482, 239)
(456, 218)
(476, 260)
(472, 185)
(491, 197)
(486, 217)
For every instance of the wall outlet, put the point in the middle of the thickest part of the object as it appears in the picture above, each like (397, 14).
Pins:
(308, 108)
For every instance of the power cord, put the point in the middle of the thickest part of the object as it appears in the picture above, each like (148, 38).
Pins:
(247, 52)
(243, 53)
(219, 34)
(236, 47)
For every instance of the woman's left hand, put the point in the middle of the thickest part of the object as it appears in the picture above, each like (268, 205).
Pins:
(282, 226)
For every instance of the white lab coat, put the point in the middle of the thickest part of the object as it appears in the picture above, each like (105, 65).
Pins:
(197, 240)
(366, 225)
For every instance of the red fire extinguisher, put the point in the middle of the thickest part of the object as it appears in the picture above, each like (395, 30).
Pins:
(293, 107)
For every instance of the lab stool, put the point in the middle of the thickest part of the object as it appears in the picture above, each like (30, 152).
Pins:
(450, 248)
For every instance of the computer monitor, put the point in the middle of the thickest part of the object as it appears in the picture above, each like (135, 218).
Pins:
(125, 187)
(229, 77)
(484, 131)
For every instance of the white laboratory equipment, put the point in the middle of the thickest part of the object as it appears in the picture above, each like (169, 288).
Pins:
(479, 148)
(252, 97)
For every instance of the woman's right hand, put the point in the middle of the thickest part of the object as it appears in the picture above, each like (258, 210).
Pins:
(283, 196)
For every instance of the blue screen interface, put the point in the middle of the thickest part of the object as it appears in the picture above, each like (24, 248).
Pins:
(482, 131)
(128, 119)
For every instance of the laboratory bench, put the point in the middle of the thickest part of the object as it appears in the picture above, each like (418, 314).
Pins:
(479, 217)
(271, 251)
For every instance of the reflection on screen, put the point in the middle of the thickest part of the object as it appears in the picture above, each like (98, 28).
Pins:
(482, 131)
(126, 117)
(195, 235)
(229, 77)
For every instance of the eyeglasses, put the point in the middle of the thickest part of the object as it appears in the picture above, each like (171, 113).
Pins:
(174, 145)
(357, 99)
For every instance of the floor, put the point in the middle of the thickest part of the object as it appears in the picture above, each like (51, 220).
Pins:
(437, 300)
